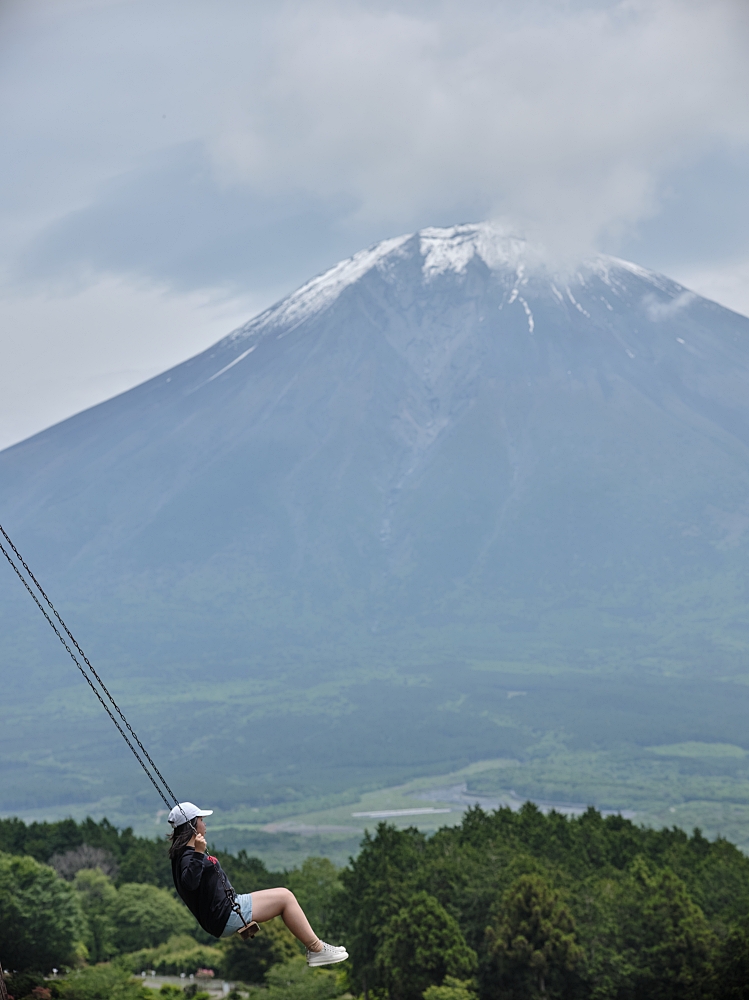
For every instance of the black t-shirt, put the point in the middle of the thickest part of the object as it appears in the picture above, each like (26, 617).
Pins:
(199, 884)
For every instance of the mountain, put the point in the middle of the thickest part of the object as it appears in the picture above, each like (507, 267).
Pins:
(319, 555)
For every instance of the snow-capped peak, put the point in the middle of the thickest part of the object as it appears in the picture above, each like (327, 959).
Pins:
(441, 250)
(323, 290)
(452, 249)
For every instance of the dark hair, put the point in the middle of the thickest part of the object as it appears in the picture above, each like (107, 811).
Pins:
(179, 837)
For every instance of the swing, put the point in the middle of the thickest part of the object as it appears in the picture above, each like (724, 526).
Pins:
(248, 930)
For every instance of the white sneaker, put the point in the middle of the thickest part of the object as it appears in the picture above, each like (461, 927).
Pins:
(328, 956)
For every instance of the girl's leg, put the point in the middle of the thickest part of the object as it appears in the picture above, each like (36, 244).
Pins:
(269, 903)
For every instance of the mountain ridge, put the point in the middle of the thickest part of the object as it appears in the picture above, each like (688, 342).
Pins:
(431, 473)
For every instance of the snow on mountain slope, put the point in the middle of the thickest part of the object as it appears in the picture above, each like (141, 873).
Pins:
(427, 327)
(451, 250)
(398, 344)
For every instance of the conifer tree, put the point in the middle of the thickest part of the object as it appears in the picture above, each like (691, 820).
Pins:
(533, 938)
(421, 945)
(670, 941)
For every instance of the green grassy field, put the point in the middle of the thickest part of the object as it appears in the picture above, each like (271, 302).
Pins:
(688, 784)
(286, 756)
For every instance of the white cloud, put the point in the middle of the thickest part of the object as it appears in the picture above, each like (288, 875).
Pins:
(658, 310)
(155, 147)
(726, 283)
(65, 352)
(563, 118)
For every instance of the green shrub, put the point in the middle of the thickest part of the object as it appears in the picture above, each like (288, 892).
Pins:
(41, 993)
(181, 953)
(41, 922)
(249, 961)
(296, 981)
(452, 989)
(194, 992)
(101, 982)
(146, 916)
(22, 983)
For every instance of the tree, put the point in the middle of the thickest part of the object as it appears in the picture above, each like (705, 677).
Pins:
(375, 886)
(98, 897)
(315, 877)
(147, 916)
(41, 923)
(247, 874)
(669, 940)
(733, 978)
(145, 861)
(316, 885)
(601, 918)
(39, 840)
(85, 856)
(533, 938)
(451, 989)
(421, 945)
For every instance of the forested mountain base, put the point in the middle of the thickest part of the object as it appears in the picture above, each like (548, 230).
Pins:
(506, 906)
(549, 906)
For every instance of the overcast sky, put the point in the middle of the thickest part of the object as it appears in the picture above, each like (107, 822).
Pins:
(173, 166)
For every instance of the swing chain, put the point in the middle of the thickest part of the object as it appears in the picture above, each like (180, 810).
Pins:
(247, 930)
(86, 661)
(86, 677)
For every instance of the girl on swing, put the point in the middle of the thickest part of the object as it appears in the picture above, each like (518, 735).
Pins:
(200, 883)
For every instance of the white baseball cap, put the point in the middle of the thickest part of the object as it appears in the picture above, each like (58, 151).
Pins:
(186, 812)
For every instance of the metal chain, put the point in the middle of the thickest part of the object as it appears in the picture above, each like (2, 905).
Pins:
(231, 894)
(91, 683)
(88, 663)
(229, 890)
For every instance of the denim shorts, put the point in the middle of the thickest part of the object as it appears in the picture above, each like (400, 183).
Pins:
(234, 923)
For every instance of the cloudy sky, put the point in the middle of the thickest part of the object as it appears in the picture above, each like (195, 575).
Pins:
(173, 166)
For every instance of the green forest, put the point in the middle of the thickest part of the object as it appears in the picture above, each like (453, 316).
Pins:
(505, 906)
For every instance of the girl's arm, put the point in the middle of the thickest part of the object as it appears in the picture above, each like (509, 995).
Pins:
(191, 865)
